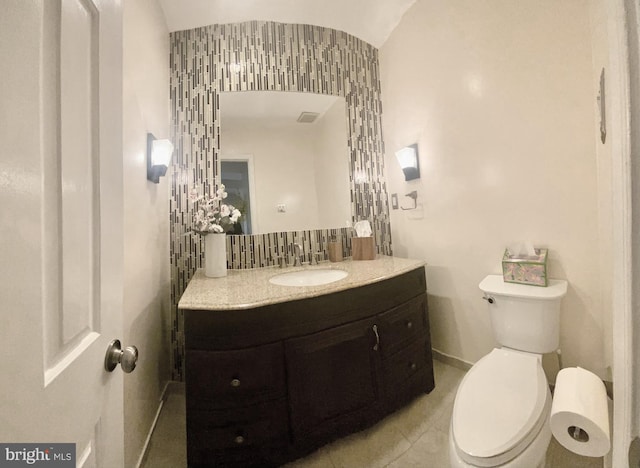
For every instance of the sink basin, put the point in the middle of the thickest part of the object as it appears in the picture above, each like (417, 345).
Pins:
(308, 277)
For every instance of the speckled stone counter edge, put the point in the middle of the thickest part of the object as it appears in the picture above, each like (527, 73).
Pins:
(246, 289)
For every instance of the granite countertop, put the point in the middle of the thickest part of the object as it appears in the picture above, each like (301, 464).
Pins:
(246, 289)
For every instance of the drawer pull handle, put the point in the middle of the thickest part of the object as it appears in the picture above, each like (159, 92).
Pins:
(235, 383)
(412, 366)
(409, 324)
(239, 440)
(377, 345)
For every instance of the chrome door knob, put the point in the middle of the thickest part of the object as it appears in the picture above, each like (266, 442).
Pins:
(127, 357)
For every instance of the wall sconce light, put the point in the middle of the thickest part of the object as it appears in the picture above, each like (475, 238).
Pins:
(408, 159)
(159, 154)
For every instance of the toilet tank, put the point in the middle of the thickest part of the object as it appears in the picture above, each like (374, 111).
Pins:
(525, 317)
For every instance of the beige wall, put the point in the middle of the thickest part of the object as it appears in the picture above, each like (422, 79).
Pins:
(499, 95)
(331, 168)
(146, 219)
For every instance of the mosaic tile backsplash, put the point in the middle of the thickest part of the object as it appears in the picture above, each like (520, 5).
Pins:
(267, 56)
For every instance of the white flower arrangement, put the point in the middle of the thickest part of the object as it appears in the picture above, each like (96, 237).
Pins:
(213, 216)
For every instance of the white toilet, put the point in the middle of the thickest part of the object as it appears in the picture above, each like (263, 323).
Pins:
(501, 411)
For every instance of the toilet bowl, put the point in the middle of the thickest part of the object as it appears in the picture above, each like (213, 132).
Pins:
(502, 406)
(501, 413)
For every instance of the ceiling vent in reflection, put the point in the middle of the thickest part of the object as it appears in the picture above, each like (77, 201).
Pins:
(308, 117)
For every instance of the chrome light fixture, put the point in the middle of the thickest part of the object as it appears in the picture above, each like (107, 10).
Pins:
(408, 159)
(159, 154)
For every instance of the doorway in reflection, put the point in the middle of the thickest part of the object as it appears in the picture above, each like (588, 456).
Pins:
(235, 174)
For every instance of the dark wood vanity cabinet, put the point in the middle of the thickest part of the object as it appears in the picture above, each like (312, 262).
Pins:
(267, 385)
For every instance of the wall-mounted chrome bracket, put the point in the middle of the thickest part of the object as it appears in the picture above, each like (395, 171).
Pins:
(414, 196)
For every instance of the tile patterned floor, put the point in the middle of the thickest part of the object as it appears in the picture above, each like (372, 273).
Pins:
(415, 436)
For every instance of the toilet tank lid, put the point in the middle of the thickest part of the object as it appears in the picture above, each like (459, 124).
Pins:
(495, 284)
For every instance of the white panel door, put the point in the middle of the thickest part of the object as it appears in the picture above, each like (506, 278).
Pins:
(61, 237)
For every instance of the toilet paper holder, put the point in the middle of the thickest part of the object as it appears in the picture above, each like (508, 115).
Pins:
(579, 417)
(578, 434)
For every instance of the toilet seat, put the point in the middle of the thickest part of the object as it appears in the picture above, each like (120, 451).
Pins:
(500, 407)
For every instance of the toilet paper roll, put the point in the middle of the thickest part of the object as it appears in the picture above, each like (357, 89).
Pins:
(580, 413)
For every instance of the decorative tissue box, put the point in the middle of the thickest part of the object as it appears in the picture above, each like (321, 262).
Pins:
(525, 270)
(363, 248)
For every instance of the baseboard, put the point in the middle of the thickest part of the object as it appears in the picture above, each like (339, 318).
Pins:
(145, 447)
(174, 387)
(451, 360)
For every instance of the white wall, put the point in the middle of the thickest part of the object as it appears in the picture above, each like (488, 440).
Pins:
(499, 95)
(146, 219)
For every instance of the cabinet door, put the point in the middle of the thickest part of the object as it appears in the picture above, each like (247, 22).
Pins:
(333, 380)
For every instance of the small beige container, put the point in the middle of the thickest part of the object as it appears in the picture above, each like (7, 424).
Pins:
(335, 251)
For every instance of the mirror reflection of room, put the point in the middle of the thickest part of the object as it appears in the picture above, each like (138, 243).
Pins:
(284, 160)
(235, 175)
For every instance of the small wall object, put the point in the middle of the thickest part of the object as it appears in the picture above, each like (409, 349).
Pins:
(524, 269)
(414, 196)
(363, 248)
(394, 201)
(602, 105)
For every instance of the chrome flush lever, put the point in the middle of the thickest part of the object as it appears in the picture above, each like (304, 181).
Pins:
(489, 299)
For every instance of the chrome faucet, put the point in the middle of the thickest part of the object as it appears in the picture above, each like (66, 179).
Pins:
(297, 254)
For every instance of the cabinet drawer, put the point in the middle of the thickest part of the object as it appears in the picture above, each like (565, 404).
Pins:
(403, 324)
(238, 428)
(403, 365)
(221, 379)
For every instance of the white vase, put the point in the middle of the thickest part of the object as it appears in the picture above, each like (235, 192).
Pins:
(215, 255)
